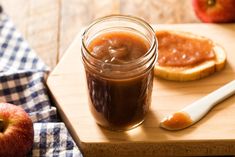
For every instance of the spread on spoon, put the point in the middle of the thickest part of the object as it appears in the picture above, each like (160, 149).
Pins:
(195, 111)
(177, 121)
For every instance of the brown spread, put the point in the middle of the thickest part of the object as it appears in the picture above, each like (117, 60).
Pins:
(118, 47)
(180, 51)
(178, 120)
(115, 103)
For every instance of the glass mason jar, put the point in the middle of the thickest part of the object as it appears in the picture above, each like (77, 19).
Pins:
(119, 71)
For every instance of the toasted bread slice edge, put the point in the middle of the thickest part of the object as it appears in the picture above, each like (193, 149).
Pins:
(196, 72)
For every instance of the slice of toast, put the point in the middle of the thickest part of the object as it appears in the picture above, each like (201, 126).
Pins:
(192, 72)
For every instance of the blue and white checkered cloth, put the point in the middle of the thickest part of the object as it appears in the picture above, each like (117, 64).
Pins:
(22, 82)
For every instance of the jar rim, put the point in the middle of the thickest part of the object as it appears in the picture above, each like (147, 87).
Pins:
(127, 17)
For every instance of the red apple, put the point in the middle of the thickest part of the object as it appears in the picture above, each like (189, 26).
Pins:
(16, 131)
(220, 11)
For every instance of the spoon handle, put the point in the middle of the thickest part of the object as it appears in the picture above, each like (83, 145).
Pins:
(200, 107)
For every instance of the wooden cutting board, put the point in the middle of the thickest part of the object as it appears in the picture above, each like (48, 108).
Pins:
(213, 135)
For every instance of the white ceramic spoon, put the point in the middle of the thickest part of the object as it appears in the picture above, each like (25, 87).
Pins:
(195, 111)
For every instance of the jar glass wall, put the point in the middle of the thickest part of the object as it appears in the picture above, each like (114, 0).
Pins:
(119, 53)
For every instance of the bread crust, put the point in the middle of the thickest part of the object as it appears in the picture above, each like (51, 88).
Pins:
(198, 71)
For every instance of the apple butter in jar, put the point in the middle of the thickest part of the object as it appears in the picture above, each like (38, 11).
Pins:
(119, 53)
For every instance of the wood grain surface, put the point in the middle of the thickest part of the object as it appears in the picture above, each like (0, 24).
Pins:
(213, 135)
(51, 25)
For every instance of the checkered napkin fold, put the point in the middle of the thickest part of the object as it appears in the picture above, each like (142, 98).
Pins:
(22, 82)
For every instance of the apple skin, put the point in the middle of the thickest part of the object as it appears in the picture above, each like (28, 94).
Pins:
(215, 11)
(16, 133)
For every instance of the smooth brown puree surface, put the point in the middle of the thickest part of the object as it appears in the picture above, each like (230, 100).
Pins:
(118, 47)
(178, 50)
